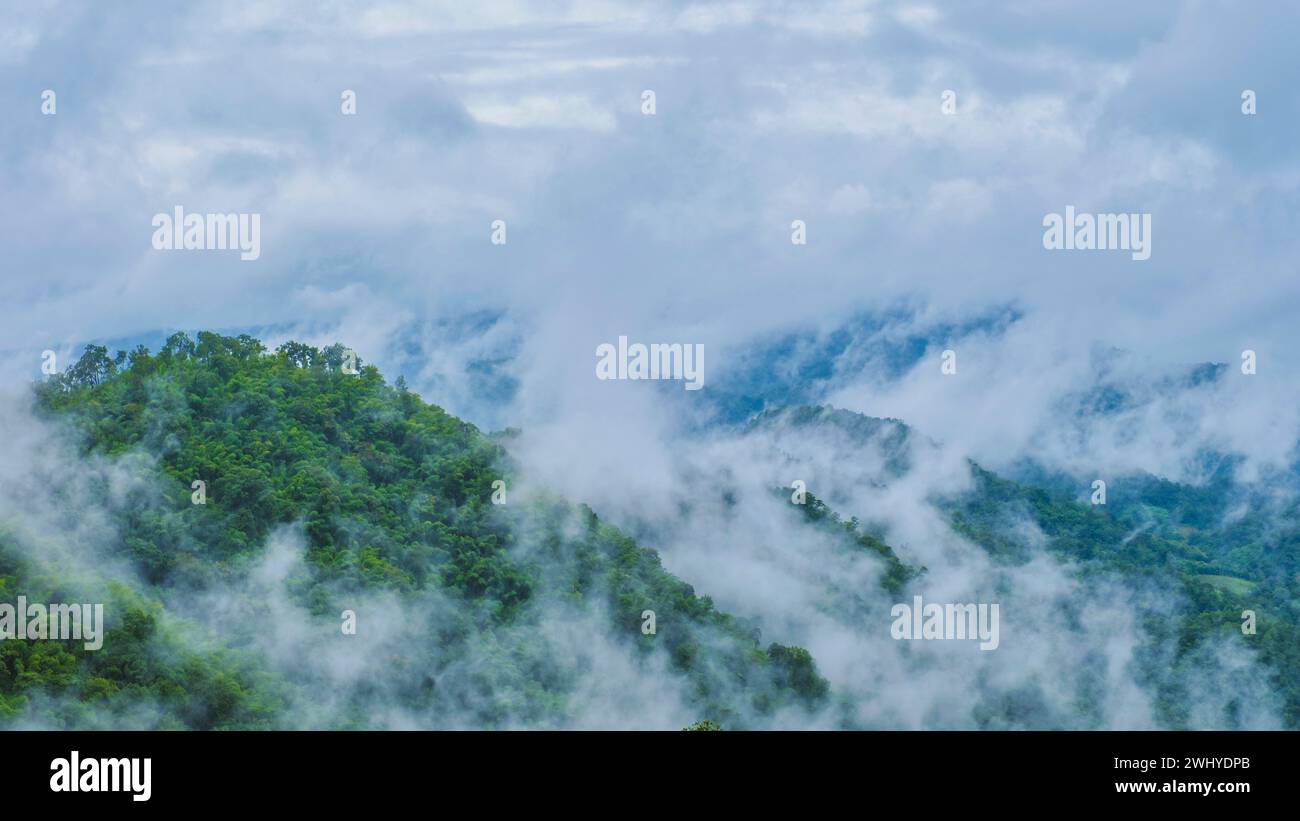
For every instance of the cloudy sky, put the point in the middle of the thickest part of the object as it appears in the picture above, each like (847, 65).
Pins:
(924, 234)
(676, 226)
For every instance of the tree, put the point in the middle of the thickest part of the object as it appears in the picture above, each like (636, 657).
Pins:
(703, 725)
(92, 368)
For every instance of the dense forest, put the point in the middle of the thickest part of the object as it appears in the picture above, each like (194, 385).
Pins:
(390, 494)
(213, 449)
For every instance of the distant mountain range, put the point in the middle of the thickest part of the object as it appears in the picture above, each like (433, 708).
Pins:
(231, 506)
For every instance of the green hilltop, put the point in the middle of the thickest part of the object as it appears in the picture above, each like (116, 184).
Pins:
(392, 494)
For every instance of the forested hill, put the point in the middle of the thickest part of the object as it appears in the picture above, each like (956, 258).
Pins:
(1215, 551)
(230, 505)
(387, 500)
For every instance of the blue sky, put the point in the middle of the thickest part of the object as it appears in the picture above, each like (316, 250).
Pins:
(676, 226)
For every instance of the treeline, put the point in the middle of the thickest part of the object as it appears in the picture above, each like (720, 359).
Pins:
(391, 494)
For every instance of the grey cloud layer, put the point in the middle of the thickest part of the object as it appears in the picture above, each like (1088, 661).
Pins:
(674, 226)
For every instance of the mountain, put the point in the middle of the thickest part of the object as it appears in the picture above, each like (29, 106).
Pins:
(1219, 549)
(385, 505)
(1168, 570)
(283, 540)
(794, 368)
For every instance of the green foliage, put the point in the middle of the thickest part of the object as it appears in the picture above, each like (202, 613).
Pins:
(1160, 534)
(144, 663)
(704, 725)
(896, 575)
(391, 494)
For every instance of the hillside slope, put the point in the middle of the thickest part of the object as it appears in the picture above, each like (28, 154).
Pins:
(238, 510)
(366, 494)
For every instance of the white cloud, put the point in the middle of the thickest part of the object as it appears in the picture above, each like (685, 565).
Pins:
(536, 111)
